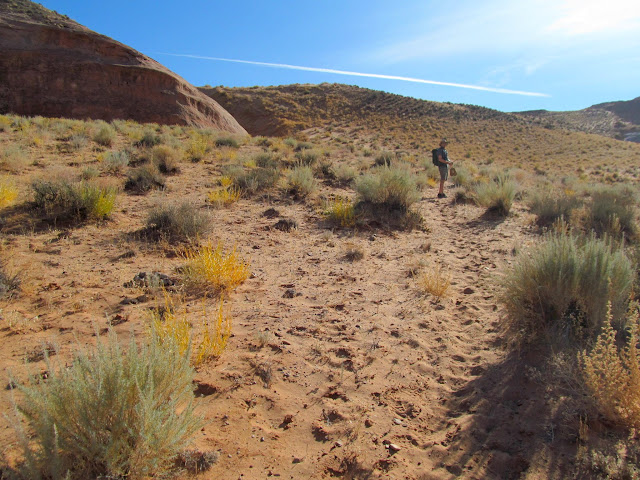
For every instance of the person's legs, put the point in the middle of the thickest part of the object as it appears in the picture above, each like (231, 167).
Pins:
(444, 174)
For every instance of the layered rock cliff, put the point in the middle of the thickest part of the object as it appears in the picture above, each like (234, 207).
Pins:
(53, 66)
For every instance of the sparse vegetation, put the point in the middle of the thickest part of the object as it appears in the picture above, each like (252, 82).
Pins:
(210, 268)
(341, 212)
(300, 181)
(178, 222)
(549, 206)
(64, 200)
(8, 192)
(143, 179)
(105, 135)
(435, 280)
(497, 195)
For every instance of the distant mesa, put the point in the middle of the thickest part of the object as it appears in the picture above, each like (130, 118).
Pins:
(53, 66)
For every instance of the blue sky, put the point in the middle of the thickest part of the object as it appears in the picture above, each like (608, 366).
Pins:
(504, 54)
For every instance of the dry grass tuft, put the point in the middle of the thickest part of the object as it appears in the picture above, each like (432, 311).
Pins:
(210, 268)
(435, 281)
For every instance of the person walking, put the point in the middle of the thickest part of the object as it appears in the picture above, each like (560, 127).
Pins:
(443, 167)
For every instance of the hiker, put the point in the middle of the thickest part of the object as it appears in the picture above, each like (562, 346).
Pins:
(443, 166)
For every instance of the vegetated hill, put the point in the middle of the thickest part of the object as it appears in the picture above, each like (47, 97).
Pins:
(620, 120)
(53, 66)
(377, 121)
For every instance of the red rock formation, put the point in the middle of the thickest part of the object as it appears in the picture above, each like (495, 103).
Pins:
(53, 66)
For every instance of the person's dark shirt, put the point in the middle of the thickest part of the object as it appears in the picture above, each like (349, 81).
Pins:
(442, 152)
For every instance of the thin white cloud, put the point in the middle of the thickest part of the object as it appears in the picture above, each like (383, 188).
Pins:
(583, 17)
(368, 75)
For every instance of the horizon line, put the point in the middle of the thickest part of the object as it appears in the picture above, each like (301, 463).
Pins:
(359, 74)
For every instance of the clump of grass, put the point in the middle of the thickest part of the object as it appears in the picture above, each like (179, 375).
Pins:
(301, 182)
(105, 135)
(115, 412)
(225, 195)
(344, 174)
(340, 211)
(268, 160)
(613, 375)
(435, 281)
(384, 159)
(171, 327)
(198, 147)
(73, 201)
(215, 336)
(391, 187)
(562, 287)
(307, 157)
(178, 222)
(497, 195)
(9, 282)
(255, 180)
(165, 159)
(149, 139)
(353, 252)
(612, 212)
(8, 192)
(550, 206)
(211, 268)
(143, 179)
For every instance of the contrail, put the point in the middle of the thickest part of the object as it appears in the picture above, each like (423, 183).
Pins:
(358, 74)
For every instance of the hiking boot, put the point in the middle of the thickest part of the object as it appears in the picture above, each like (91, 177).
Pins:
(442, 195)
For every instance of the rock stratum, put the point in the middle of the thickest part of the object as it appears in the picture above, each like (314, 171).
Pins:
(53, 66)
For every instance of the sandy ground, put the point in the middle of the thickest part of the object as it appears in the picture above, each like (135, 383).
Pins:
(336, 368)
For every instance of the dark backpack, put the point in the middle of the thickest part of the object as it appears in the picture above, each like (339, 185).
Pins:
(434, 157)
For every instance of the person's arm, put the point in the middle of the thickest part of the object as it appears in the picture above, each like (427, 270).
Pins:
(442, 160)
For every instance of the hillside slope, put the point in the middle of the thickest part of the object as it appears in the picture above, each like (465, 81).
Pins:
(53, 66)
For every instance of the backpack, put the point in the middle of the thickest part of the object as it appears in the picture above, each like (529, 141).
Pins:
(434, 157)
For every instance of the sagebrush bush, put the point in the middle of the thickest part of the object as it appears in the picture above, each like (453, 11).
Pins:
(344, 173)
(105, 135)
(384, 159)
(227, 142)
(143, 179)
(178, 222)
(255, 180)
(301, 182)
(198, 147)
(612, 212)
(115, 412)
(561, 288)
(307, 157)
(8, 192)
(550, 206)
(497, 195)
(613, 375)
(149, 139)
(390, 187)
(210, 268)
(73, 201)
(115, 162)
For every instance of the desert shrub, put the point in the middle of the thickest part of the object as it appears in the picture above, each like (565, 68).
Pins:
(73, 201)
(115, 162)
(143, 179)
(435, 281)
(225, 195)
(165, 159)
(384, 159)
(464, 177)
(268, 160)
(549, 206)
(262, 141)
(390, 187)
(13, 158)
(198, 147)
(612, 212)
(227, 142)
(180, 222)
(115, 412)
(215, 336)
(9, 282)
(254, 180)
(105, 135)
(210, 268)
(149, 139)
(8, 192)
(89, 173)
(78, 141)
(307, 157)
(299, 145)
(497, 195)
(344, 173)
(562, 287)
(341, 212)
(613, 375)
(300, 181)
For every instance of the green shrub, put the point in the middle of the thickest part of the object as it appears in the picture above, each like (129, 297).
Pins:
(227, 142)
(112, 413)
(344, 174)
(268, 160)
(307, 157)
(300, 181)
(254, 180)
(149, 139)
(384, 159)
(464, 177)
(391, 187)
(562, 287)
(105, 135)
(612, 212)
(178, 222)
(73, 201)
(497, 195)
(549, 206)
(115, 162)
(143, 179)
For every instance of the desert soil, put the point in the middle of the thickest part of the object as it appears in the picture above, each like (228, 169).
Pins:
(336, 367)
